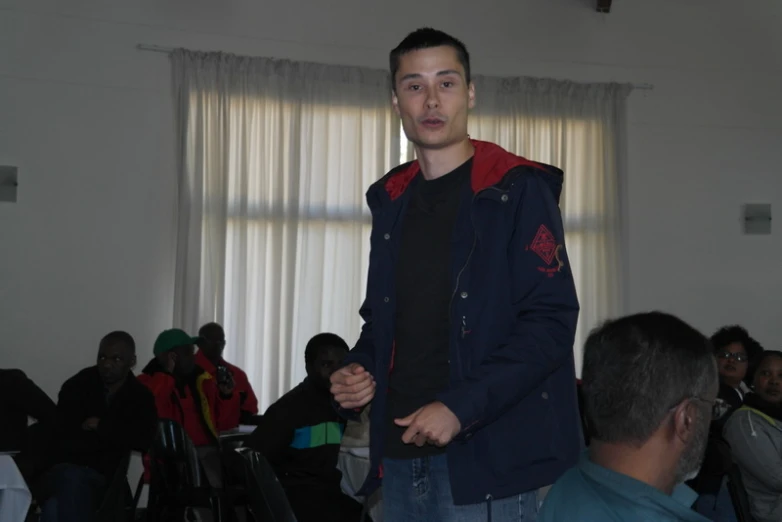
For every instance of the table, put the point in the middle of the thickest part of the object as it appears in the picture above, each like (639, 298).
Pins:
(15, 497)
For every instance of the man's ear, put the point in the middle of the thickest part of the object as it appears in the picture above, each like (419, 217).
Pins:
(471, 95)
(684, 421)
(395, 102)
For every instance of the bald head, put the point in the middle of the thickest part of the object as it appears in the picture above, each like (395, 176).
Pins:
(212, 341)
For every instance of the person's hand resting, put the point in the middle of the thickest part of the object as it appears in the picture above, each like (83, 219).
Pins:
(352, 386)
(433, 424)
(91, 424)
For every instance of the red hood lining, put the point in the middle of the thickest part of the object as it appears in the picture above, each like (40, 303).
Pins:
(490, 163)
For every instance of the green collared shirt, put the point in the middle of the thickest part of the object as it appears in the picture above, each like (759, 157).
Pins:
(592, 493)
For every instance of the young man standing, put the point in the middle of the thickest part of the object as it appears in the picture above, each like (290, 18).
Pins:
(467, 348)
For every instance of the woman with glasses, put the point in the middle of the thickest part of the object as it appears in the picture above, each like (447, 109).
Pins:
(754, 433)
(734, 348)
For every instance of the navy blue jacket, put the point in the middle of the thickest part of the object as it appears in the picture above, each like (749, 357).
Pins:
(513, 314)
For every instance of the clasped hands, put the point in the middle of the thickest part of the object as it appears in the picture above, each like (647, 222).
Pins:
(354, 387)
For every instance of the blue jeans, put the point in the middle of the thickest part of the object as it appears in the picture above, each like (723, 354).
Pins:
(419, 490)
(72, 493)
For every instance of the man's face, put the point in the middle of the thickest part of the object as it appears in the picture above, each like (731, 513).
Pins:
(212, 343)
(114, 363)
(768, 379)
(328, 360)
(185, 360)
(432, 97)
(731, 369)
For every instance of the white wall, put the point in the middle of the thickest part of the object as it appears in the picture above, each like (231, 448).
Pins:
(89, 247)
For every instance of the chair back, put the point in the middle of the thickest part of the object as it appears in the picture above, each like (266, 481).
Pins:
(174, 463)
(738, 495)
(266, 498)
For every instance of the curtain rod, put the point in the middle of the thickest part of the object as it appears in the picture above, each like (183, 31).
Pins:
(169, 50)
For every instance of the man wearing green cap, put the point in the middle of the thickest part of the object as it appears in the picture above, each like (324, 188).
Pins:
(187, 394)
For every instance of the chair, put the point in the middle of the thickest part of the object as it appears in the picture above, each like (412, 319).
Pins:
(176, 478)
(114, 505)
(738, 495)
(266, 498)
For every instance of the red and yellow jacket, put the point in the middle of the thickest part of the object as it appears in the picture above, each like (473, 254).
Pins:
(242, 402)
(194, 403)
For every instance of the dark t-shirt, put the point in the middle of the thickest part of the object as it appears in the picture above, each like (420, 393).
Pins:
(423, 295)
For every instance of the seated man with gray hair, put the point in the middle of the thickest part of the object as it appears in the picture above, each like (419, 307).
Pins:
(649, 384)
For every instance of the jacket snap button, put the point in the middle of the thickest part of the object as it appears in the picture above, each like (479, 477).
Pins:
(464, 295)
(504, 198)
(386, 236)
(544, 395)
(386, 299)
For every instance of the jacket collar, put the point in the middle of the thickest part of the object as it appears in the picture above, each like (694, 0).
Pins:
(204, 362)
(490, 164)
(154, 367)
(767, 409)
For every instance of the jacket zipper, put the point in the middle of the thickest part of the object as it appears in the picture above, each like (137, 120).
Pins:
(463, 328)
(458, 279)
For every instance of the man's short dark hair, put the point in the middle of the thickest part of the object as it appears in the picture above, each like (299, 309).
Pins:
(210, 328)
(637, 368)
(762, 357)
(323, 341)
(426, 38)
(728, 335)
(119, 337)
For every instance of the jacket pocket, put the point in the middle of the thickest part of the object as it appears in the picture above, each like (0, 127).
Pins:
(527, 435)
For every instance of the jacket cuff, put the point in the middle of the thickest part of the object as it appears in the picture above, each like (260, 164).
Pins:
(467, 411)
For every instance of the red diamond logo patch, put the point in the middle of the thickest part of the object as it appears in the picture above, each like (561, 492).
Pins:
(544, 244)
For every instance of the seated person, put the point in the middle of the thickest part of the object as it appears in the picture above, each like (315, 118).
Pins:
(102, 415)
(734, 349)
(187, 394)
(754, 433)
(20, 399)
(300, 436)
(242, 405)
(649, 381)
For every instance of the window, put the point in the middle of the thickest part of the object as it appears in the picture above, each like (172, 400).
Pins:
(275, 159)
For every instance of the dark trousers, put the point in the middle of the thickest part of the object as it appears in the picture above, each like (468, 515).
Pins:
(71, 493)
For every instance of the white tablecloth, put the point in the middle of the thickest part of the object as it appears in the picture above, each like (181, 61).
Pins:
(15, 497)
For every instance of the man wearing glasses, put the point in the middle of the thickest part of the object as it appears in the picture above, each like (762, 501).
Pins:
(235, 389)
(649, 381)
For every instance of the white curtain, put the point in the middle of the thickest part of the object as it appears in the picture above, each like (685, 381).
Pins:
(579, 128)
(275, 158)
